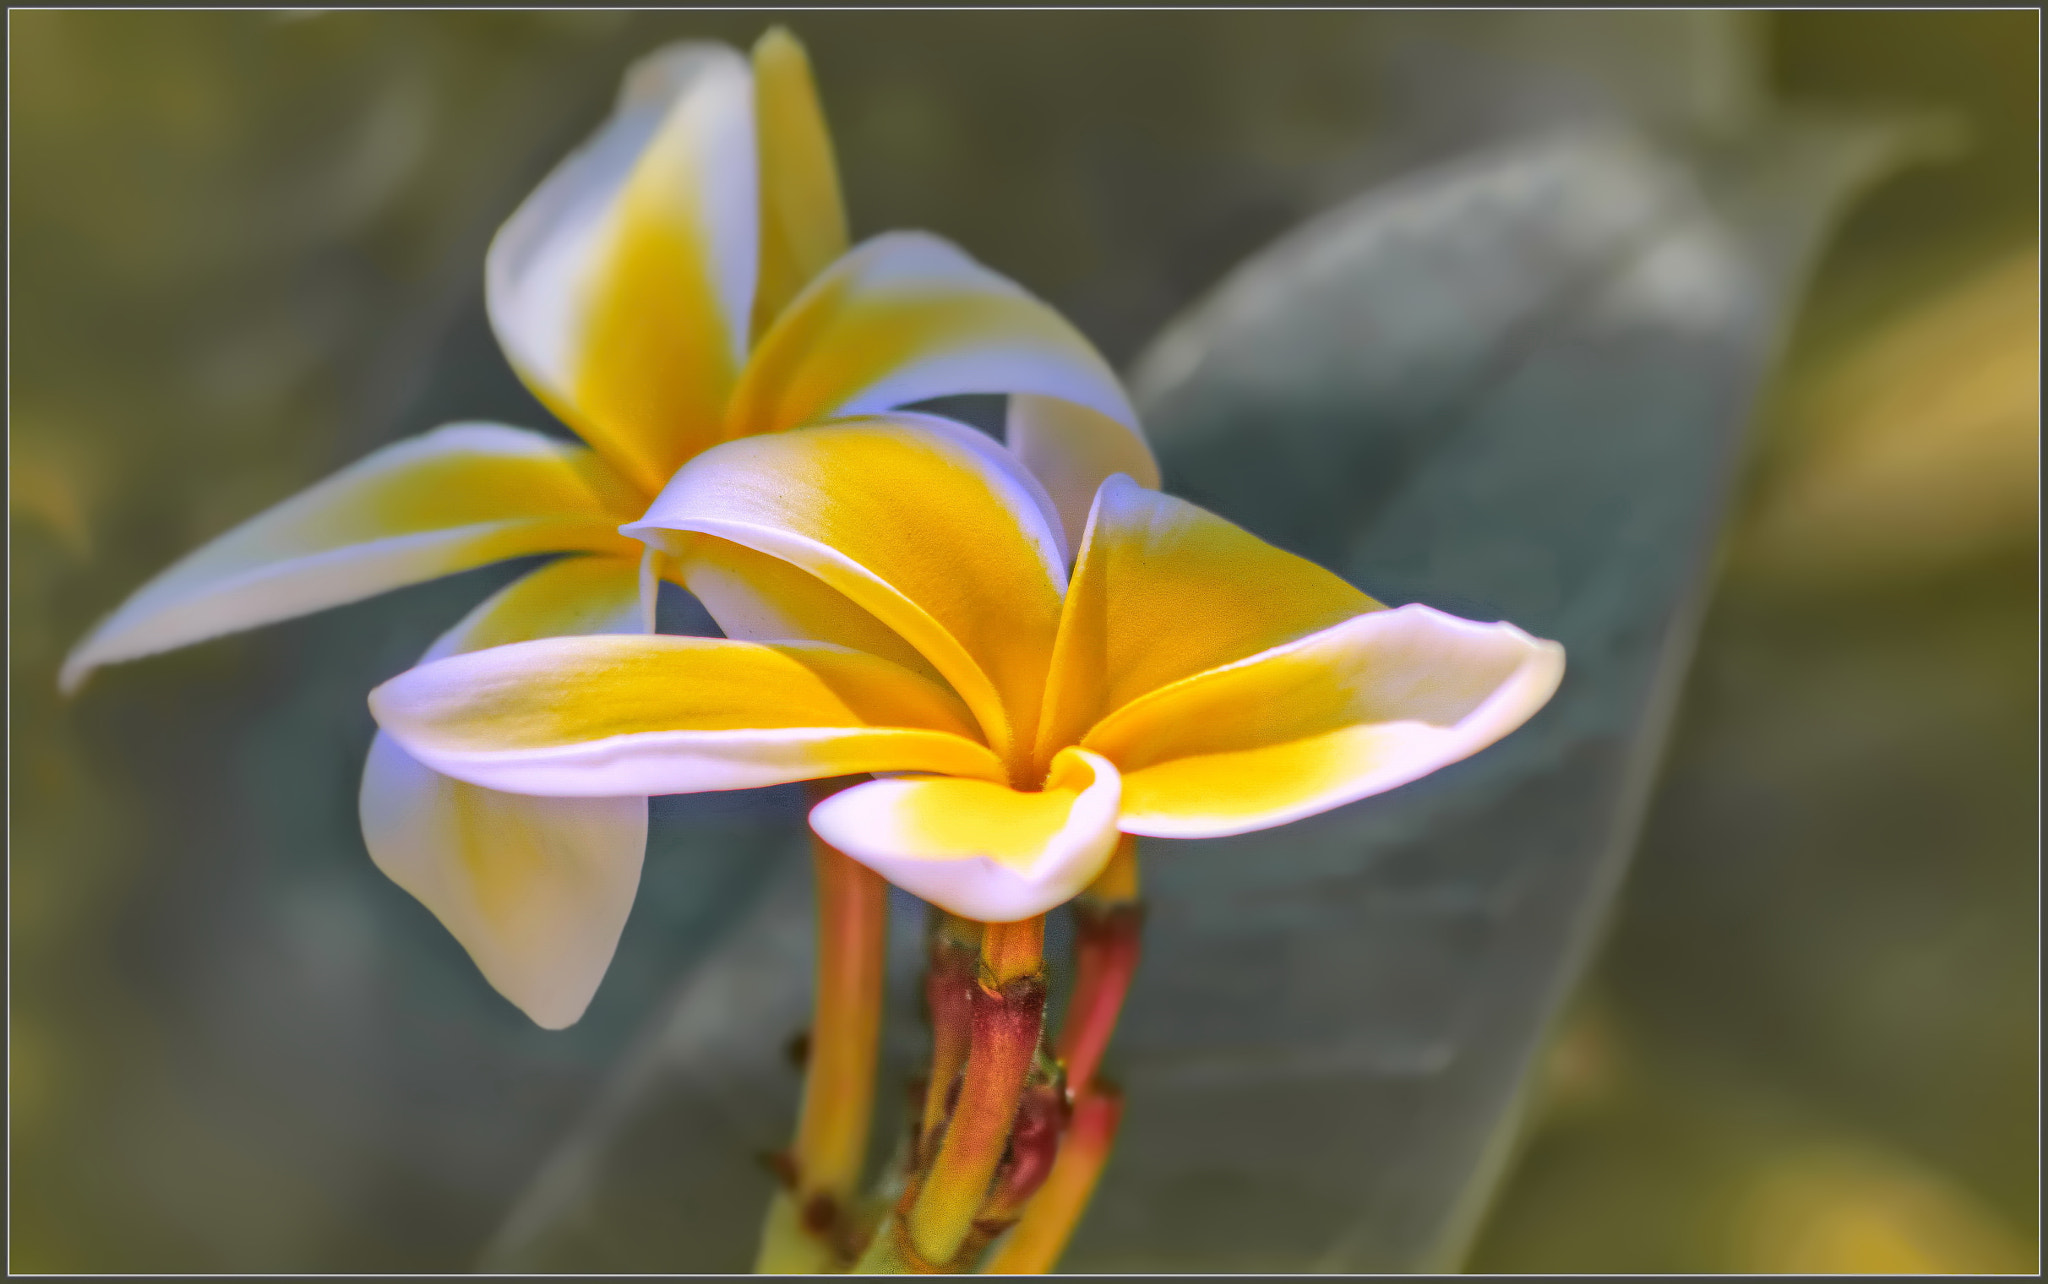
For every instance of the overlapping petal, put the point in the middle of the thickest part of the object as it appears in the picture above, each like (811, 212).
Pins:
(622, 289)
(803, 222)
(978, 849)
(1355, 709)
(536, 889)
(1072, 450)
(1163, 590)
(460, 496)
(904, 317)
(941, 541)
(758, 598)
(566, 597)
(602, 716)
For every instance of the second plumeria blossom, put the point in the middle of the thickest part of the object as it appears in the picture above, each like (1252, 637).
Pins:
(897, 600)
(680, 280)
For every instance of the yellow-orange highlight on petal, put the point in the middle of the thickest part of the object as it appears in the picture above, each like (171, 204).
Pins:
(803, 221)
(1193, 680)
(651, 291)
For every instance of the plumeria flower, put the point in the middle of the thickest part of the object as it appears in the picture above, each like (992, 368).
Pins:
(897, 598)
(681, 280)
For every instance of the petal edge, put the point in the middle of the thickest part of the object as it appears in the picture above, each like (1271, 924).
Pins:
(1357, 709)
(979, 849)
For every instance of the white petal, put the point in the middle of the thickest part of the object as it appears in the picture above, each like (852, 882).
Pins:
(460, 496)
(905, 317)
(1072, 450)
(979, 849)
(536, 889)
(691, 107)
(608, 716)
(568, 597)
(1356, 709)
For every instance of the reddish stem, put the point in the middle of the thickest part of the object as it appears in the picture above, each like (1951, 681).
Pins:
(1034, 1143)
(1041, 1235)
(1007, 1023)
(954, 957)
(1105, 957)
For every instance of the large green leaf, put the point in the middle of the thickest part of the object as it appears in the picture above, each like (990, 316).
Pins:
(1513, 386)
(1514, 389)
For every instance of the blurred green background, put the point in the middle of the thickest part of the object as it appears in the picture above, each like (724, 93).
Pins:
(245, 250)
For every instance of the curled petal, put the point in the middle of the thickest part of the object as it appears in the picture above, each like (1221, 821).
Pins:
(803, 222)
(536, 889)
(1356, 709)
(598, 716)
(1163, 590)
(982, 850)
(942, 541)
(1072, 450)
(905, 317)
(461, 496)
(622, 288)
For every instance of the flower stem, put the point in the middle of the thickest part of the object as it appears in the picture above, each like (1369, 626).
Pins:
(832, 1134)
(1057, 1151)
(1028, 1160)
(1007, 1013)
(1041, 1235)
(807, 1226)
(1107, 917)
(953, 953)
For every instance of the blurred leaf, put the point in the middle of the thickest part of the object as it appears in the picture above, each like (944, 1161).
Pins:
(1514, 387)
(1852, 796)
(1458, 79)
(50, 482)
(1832, 1210)
(1921, 444)
(1652, 1158)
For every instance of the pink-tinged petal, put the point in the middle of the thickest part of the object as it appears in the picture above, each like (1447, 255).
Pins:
(622, 289)
(461, 496)
(978, 849)
(941, 540)
(1072, 450)
(905, 317)
(1356, 709)
(1163, 590)
(599, 716)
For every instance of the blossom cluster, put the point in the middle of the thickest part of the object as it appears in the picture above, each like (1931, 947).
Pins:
(1031, 648)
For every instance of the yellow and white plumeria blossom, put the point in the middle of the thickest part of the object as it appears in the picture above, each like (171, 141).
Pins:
(680, 280)
(897, 599)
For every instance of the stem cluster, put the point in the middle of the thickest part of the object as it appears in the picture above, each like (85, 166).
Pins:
(1010, 1129)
